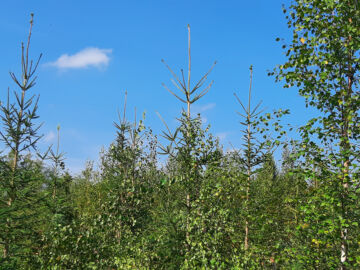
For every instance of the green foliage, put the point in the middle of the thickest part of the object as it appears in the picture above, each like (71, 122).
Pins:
(21, 186)
(194, 153)
(112, 207)
(323, 62)
(200, 207)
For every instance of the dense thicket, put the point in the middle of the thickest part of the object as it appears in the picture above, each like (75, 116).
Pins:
(201, 207)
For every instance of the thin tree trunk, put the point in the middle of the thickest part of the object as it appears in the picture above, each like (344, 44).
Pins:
(246, 240)
(249, 166)
(345, 179)
(6, 249)
(344, 231)
(188, 204)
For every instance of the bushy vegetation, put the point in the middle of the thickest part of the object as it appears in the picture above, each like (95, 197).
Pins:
(203, 208)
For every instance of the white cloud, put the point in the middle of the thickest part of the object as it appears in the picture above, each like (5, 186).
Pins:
(204, 120)
(203, 108)
(222, 135)
(88, 57)
(199, 109)
(49, 137)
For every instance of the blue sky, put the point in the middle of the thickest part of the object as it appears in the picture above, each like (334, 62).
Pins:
(95, 50)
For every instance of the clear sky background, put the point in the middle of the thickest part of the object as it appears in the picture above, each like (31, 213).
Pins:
(95, 50)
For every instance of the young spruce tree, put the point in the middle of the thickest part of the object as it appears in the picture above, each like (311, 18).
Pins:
(193, 151)
(20, 178)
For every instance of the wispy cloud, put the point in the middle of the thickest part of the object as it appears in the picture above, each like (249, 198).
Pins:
(199, 109)
(49, 137)
(203, 108)
(222, 135)
(204, 120)
(88, 57)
